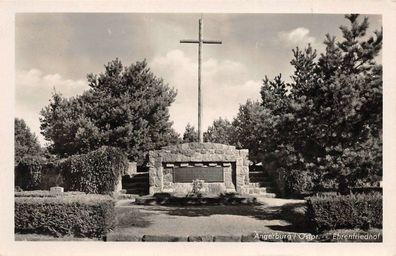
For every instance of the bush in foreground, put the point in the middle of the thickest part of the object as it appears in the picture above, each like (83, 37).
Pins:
(28, 173)
(78, 215)
(362, 211)
(96, 172)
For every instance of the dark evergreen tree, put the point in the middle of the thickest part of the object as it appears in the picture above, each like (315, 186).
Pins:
(26, 143)
(325, 126)
(190, 134)
(124, 107)
(221, 131)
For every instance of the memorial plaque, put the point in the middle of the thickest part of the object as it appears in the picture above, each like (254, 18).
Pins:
(188, 174)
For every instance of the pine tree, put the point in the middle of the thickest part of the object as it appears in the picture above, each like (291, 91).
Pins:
(190, 134)
(124, 107)
(221, 131)
(327, 122)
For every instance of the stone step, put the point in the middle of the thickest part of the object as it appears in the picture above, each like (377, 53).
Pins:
(135, 184)
(258, 174)
(136, 177)
(261, 183)
(261, 192)
(268, 195)
(137, 191)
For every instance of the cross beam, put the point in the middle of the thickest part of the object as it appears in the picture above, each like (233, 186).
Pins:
(200, 41)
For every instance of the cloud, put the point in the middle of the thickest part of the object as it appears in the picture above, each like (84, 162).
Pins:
(297, 37)
(33, 91)
(225, 85)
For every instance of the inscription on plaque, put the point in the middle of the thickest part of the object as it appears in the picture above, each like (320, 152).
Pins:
(188, 174)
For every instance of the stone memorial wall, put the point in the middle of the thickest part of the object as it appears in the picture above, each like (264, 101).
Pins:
(223, 168)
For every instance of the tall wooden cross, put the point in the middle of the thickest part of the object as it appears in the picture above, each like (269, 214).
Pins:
(200, 41)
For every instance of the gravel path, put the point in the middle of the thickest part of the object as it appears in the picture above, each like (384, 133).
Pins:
(204, 220)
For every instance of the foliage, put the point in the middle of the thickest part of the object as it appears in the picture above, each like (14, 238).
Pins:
(326, 124)
(124, 107)
(252, 129)
(96, 172)
(362, 211)
(221, 131)
(26, 143)
(190, 134)
(80, 216)
(298, 182)
(28, 173)
(197, 185)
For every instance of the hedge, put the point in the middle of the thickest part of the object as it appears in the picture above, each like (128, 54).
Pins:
(362, 211)
(46, 193)
(79, 215)
(96, 172)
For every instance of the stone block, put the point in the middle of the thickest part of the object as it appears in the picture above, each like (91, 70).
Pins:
(226, 164)
(59, 190)
(204, 238)
(168, 171)
(215, 188)
(157, 182)
(198, 164)
(169, 165)
(227, 239)
(163, 238)
(132, 168)
(168, 178)
(212, 164)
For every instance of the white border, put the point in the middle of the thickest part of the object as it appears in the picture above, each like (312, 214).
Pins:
(7, 18)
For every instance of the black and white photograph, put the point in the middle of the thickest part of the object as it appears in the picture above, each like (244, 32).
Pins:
(132, 128)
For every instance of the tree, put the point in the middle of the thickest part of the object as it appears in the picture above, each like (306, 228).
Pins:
(190, 134)
(247, 129)
(221, 131)
(327, 122)
(126, 108)
(26, 143)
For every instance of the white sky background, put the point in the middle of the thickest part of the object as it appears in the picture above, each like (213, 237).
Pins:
(58, 50)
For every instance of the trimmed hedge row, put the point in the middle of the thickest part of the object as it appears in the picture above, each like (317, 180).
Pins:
(349, 212)
(78, 215)
(46, 193)
(96, 172)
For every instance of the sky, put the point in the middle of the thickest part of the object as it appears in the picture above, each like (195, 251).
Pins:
(57, 51)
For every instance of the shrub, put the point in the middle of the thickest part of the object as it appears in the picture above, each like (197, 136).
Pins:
(297, 182)
(351, 211)
(51, 174)
(80, 216)
(28, 173)
(96, 172)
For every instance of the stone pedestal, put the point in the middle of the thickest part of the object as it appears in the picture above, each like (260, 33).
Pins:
(118, 186)
(223, 168)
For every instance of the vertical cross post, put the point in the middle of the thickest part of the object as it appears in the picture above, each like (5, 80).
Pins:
(200, 41)
(200, 133)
